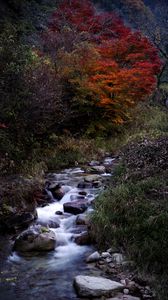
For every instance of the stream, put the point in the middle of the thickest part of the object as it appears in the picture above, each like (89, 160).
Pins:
(50, 275)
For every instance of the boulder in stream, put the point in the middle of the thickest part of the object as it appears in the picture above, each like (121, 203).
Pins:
(98, 169)
(57, 191)
(83, 239)
(84, 185)
(75, 207)
(83, 219)
(92, 178)
(36, 238)
(91, 286)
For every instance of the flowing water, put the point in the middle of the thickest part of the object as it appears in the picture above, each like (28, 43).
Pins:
(50, 275)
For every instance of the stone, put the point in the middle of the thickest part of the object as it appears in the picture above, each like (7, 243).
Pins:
(93, 257)
(98, 169)
(75, 207)
(105, 255)
(59, 213)
(109, 260)
(84, 185)
(92, 178)
(91, 286)
(83, 193)
(57, 191)
(94, 163)
(126, 291)
(83, 239)
(82, 219)
(118, 258)
(97, 184)
(36, 238)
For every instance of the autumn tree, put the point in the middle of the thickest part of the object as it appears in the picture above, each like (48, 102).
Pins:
(105, 68)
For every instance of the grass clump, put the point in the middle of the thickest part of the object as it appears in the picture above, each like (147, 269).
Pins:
(132, 217)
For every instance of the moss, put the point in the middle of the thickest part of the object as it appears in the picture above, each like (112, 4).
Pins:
(44, 229)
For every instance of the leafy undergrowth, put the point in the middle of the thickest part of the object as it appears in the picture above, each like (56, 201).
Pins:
(133, 213)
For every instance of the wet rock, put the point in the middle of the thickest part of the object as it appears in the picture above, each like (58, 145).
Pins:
(83, 193)
(57, 191)
(98, 169)
(84, 185)
(92, 178)
(75, 207)
(58, 194)
(82, 220)
(59, 213)
(97, 184)
(93, 257)
(90, 286)
(36, 238)
(83, 239)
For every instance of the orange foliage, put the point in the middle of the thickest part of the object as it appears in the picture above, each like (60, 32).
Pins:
(115, 66)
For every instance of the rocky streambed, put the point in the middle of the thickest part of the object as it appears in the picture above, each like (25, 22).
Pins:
(55, 257)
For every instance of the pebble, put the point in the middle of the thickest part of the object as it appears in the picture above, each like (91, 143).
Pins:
(126, 291)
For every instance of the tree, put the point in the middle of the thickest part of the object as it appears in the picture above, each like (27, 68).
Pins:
(150, 17)
(108, 67)
(124, 75)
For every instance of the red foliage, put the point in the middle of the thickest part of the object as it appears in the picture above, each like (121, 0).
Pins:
(127, 63)
(82, 17)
